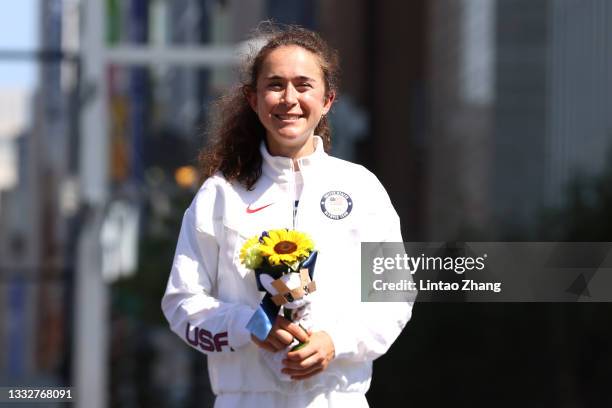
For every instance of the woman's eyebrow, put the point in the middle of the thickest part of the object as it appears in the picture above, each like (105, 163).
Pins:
(299, 78)
(305, 78)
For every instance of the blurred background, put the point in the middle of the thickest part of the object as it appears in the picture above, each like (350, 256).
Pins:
(486, 120)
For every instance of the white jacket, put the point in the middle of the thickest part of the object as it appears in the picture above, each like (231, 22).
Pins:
(210, 296)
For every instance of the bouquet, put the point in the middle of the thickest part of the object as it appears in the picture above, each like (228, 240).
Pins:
(283, 261)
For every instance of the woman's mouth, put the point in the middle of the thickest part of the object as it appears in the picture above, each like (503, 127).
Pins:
(287, 117)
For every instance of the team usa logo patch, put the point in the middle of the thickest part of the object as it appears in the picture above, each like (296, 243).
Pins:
(336, 205)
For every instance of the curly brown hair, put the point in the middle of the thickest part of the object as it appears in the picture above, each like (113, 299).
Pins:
(235, 131)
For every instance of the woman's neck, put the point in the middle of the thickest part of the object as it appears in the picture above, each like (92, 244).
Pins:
(296, 153)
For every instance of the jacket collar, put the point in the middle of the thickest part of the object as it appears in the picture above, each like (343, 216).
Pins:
(280, 168)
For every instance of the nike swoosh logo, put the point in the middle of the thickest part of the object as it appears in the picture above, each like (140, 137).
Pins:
(250, 210)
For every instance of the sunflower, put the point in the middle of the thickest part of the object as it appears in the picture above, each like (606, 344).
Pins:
(250, 253)
(285, 246)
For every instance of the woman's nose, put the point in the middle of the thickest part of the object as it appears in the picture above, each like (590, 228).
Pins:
(290, 95)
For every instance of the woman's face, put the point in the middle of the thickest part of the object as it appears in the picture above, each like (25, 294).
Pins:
(290, 100)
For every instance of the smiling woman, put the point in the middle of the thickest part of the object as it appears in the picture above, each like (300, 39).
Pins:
(266, 168)
(290, 99)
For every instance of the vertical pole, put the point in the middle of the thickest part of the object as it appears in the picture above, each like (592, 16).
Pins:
(91, 293)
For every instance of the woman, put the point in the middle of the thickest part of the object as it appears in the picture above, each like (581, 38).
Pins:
(267, 168)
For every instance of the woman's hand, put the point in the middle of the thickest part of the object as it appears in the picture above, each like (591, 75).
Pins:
(281, 335)
(311, 359)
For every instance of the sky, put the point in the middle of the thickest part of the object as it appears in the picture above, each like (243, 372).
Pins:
(18, 31)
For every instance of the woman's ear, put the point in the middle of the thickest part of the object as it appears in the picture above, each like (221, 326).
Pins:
(329, 100)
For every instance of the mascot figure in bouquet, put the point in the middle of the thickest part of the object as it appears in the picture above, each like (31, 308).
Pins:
(284, 262)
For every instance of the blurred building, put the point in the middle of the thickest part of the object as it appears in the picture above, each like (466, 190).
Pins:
(14, 105)
(553, 104)
(520, 105)
(579, 93)
(34, 240)
(461, 67)
(18, 232)
(55, 156)
(519, 153)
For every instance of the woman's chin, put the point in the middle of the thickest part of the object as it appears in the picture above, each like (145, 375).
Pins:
(280, 142)
(292, 137)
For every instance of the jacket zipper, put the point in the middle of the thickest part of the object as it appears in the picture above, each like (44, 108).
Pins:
(294, 208)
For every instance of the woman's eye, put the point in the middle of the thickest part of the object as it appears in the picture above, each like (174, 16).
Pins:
(275, 86)
(304, 85)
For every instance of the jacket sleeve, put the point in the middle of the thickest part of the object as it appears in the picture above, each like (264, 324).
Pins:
(194, 313)
(368, 329)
